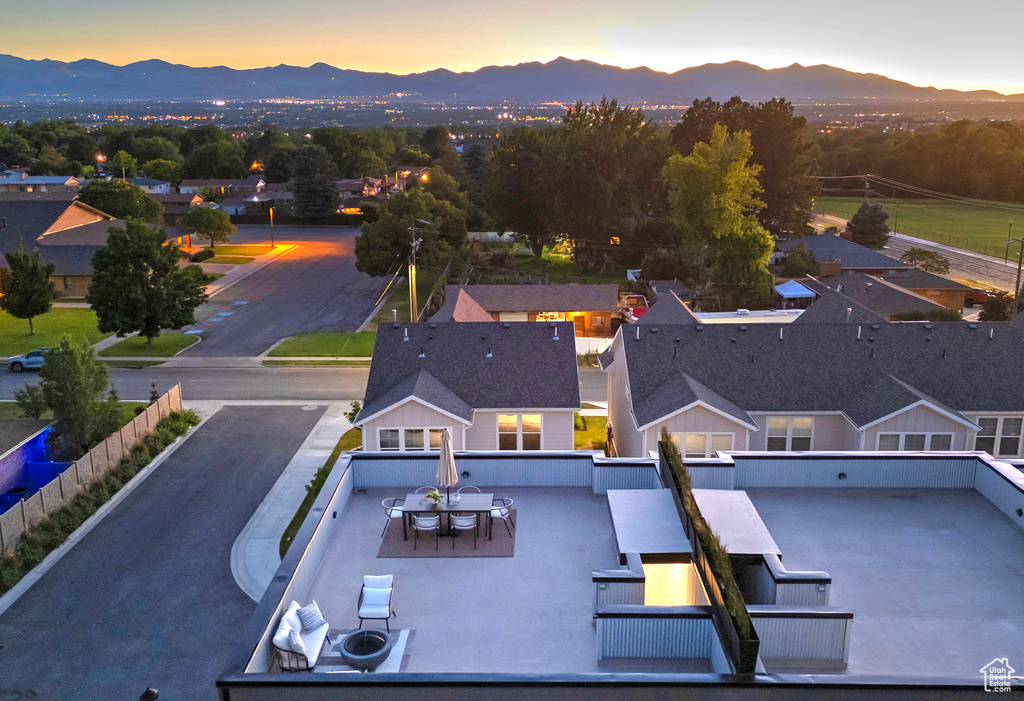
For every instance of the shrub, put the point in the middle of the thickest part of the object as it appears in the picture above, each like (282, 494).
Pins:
(579, 423)
(202, 255)
(153, 443)
(165, 434)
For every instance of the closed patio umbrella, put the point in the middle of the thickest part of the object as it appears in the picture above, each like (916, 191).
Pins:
(447, 475)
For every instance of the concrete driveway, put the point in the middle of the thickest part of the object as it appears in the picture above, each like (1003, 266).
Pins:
(147, 597)
(314, 287)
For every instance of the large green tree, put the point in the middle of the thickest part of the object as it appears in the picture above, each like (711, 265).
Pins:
(211, 224)
(517, 195)
(168, 171)
(869, 225)
(138, 286)
(316, 195)
(778, 146)
(72, 384)
(26, 290)
(712, 199)
(120, 199)
(122, 165)
(216, 159)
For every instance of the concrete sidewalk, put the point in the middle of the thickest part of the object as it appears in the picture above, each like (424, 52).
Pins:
(255, 555)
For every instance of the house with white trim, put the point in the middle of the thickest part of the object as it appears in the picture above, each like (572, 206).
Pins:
(841, 384)
(497, 386)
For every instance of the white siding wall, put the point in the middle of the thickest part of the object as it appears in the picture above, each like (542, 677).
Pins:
(698, 420)
(556, 430)
(831, 432)
(628, 440)
(411, 415)
(920, 420)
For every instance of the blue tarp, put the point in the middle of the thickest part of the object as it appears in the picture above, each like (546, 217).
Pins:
(793, 290)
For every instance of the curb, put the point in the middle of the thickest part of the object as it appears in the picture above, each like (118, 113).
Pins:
(37, 572)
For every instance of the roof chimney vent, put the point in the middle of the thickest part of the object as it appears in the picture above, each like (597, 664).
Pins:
(489, 354)
(780, 333)
(858, 332)
(394, 317)
(556, 334)
(638, 333)
(991, 332)
(422, 354)
(849, 313)
(406, 334)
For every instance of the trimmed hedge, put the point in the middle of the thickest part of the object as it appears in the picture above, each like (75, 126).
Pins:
(717, 556)
(200, 256)
(47, 535)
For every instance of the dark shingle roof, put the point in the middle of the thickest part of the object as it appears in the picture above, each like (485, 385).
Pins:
(460, 307)
(669, 309)
(917, 279)
(832, 307)
(878, 295)
(680, 391)
(23, 221)
(543, 298)
(527, 367)
(823, 367)
(828, 247)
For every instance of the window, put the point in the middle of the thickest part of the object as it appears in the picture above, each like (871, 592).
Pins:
(701, 445)
(389, 439)
(519, 431)
(409, 438)
(915, 442)
(789, 433)
(1001, 432)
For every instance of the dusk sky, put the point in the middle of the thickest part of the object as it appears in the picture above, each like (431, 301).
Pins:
(962, 46)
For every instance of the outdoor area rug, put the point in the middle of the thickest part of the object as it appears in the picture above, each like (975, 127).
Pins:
(501, 546)
(397, 661)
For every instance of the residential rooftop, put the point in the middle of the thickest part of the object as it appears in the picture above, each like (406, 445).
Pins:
(831, 248)
(572, 297)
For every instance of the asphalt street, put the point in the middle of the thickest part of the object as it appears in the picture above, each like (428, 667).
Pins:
(963, 265)
(147, 597)
(314, 287)
(334, 383)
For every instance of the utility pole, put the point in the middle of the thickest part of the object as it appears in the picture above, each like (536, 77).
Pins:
(896, 225)
(1016, 286)
(272, 227)
(413, 307)
(1009, 235)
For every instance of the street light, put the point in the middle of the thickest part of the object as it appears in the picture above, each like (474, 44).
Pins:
(1016, 286)
(272, 227)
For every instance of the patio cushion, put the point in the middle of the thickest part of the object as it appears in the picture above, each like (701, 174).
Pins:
(382, 581)
(366, 611)
(291, 615)
(499, 513)
(296, 643)
(311, 617)
(281, 636)
(376, 597)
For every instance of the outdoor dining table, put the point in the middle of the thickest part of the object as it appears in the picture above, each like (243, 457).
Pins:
(472, 503)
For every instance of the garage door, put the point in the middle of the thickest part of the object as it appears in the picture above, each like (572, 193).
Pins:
(513, 316)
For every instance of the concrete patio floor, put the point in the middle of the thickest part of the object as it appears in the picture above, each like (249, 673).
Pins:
(933, 576)
(529, 613)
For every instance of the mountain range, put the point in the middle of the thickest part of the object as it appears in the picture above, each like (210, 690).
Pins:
(561, 79)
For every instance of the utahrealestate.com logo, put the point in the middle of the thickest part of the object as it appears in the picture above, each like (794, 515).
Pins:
(998, 674)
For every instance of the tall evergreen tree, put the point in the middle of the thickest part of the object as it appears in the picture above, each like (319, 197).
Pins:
(316, 196)
(869, 225)
(26, 290)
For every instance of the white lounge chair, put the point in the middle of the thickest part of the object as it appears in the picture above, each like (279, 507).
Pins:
(376, 598)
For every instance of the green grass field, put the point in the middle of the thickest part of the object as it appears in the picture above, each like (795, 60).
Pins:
(594, 436)
(971, 227)
(229, 260)
(328, 345)
(79, 323)
(255, 250)
(164, 346)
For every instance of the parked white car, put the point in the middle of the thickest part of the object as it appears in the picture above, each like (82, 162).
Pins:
(29, 361)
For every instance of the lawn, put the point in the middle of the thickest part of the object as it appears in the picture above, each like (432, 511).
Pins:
(163, 346)
(210, 277)
(975, 228)
(79, 323)
(593, 436)
(351, 440)
(561, 269)
(328, 344)
(252, 250)
(350, 363)
(131, 364)
(229, 260)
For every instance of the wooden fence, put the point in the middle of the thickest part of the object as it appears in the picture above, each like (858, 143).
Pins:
(90, 468)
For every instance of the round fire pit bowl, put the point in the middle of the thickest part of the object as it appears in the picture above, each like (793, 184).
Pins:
(366, 649)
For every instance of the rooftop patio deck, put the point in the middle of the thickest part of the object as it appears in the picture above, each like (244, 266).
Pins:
(933, 576)
(529, 613)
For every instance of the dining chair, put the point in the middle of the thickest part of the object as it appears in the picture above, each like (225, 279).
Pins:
(469, 488)
(465, 522)
(501, 508)
(426, 523)
(393, 509)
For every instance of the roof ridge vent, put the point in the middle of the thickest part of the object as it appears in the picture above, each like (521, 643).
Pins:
(506, 325)
(700, 327)
(972, 327)
(928, 327)
(875, 327)
(654, 329)
(432, 325)
(743, 328)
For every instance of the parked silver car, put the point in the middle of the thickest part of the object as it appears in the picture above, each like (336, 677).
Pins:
(29, 361)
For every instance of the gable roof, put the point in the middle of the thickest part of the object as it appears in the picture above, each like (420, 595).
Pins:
(66, 232)
(879, 295)
(669, 309)
(461, 307)
(831, 307)
(684, 391)
(917, 279)
(147, 182)
(527, 368)
(543, 298)
(951, 367)
(828, 247)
